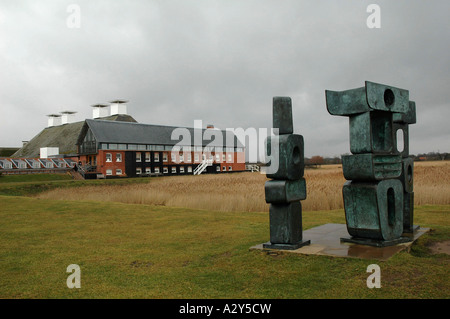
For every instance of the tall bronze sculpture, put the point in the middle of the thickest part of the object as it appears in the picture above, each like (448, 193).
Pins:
(287, 186)
(378, 196)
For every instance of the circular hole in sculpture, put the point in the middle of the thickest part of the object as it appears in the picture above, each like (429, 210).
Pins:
(410, 174)
(296, 155)
(389, 98)
(391, 206)
(400, 141)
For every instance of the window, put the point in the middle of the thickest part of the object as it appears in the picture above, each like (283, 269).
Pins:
(142, 147)
(217, 168)
(109, 172)
(148, 170)
(108, 157)
(230, 168)
(223, 157)
(157, 170)
(224, 169)
(173, 157)
(217, 157)
(138, 171)
(197, 157)
(147, 156)
(121, 146)
(118, 157)
(118, 172)
(156, 156)
(189, 169)
(230, 160)
(132, 147)
(181, 169)
(164, 157)
(181, 158)
(49, 165)
(174, 170)
(165, 170)
(112, 146)
(138, 157)
(189, 158)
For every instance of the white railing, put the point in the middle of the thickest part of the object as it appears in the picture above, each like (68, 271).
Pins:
(201, 167)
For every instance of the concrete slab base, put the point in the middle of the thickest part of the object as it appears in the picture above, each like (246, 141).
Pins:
(286, 246)
(376, 243)
(326, 241)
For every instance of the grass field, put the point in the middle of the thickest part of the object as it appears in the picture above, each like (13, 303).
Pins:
(130, 245)
(141, 251)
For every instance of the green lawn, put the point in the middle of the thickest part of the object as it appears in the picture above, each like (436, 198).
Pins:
(34, 178)
(31, 184)
(138, 251)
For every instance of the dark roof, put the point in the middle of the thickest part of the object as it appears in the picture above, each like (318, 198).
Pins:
(62, 136)
(136, 133)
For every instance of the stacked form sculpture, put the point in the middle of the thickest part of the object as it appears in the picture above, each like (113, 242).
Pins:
(378, 196)
(287, 186)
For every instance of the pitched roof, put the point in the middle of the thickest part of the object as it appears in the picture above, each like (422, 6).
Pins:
(136, 133)
(62, 136)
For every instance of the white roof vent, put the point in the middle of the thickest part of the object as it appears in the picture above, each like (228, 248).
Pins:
(67, 117)
(118, 107)
(100, 110)
(54, 120)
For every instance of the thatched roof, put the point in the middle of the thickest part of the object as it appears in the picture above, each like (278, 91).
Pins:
(62, 136)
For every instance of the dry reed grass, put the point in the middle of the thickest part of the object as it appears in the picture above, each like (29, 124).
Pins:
(245, 191)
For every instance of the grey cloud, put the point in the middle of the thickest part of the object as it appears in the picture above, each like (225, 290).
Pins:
(222, 62)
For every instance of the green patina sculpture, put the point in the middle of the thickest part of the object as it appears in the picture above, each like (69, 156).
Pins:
(287, 186)
(378, 197)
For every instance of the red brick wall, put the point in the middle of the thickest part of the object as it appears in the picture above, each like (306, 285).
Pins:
(103, 165)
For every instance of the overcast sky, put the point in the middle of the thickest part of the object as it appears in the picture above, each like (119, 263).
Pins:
(222, 62)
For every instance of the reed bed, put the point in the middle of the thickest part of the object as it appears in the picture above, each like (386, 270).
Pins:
(245, 191)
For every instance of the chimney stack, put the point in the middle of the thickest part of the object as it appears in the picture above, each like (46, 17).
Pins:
(118, 107)
(67, 117)
(54, 120)
(100, 110)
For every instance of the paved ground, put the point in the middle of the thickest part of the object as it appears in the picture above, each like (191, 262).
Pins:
(326, 240)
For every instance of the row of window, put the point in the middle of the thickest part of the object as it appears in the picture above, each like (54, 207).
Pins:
(165, 170)
(109, 157)
(141, 147)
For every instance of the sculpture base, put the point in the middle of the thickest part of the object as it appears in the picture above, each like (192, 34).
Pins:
(325, 241)
(411, 231)
(375, 242)
(302, 243)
